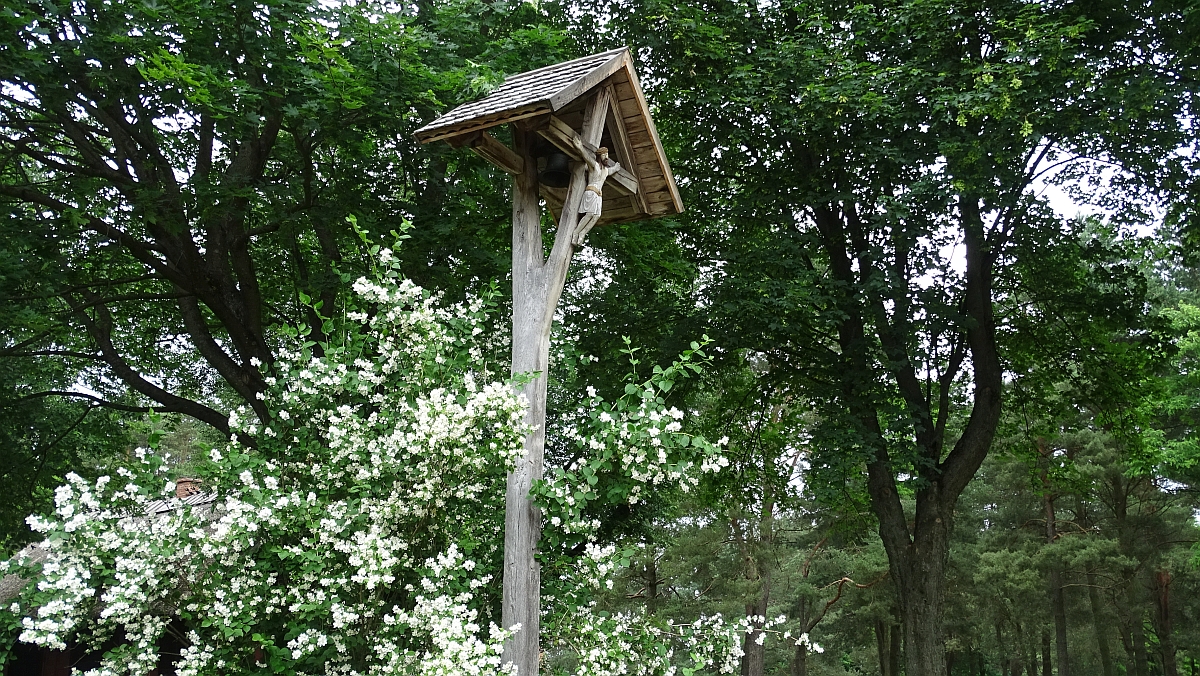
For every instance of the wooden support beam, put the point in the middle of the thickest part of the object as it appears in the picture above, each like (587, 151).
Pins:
(583, 84)
(595, 113)
(624, 182)
(486, 146)
(464, 140)
(561, 135)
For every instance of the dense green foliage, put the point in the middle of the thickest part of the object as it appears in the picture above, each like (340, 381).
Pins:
(962, 423)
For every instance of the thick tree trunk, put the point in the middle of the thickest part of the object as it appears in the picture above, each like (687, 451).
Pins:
(754, 659)
(917, 555)
(920, 575)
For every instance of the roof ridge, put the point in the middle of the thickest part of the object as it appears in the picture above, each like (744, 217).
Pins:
(611, 52)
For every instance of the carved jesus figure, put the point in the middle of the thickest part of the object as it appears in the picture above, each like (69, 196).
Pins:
(599, 168)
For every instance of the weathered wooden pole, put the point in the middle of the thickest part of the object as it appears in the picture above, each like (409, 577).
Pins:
(569, 107)
(530, 354)
(522, 522)
(537, 286)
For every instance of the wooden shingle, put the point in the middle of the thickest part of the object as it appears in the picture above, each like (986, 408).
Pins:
(551, 99)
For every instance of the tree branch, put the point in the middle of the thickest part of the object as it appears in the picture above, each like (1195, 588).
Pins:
(94, 399)
(100, 329)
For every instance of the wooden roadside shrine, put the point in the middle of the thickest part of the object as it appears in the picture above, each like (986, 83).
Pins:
(562, 118)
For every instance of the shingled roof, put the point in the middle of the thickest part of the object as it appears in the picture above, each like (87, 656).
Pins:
(558, 92)
(540, 89)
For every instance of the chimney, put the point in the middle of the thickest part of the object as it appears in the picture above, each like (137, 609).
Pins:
(185, 487)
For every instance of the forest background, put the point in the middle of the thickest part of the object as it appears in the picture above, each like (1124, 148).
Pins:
(912, 351)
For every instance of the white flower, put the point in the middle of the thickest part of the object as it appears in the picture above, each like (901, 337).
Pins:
(392, 448)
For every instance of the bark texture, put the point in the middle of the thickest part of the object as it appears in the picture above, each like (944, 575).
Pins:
(538, 282)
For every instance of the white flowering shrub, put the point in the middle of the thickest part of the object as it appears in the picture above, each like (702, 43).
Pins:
(626, 449)
(360, 530)
(584, 641)
(360, 535)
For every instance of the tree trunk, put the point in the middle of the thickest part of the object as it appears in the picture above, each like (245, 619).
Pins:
(756, 554)
(883, 644)
(1137, 637)
(754, 653)
(1058, 604)
(1106, 663)
(917, 556)
(919, 571)
(1162, 622)
(652, 584)
(894, 653)
(1001, 651)
(1025, 652)
(800, 661)
(753, 645)
(1046, 668)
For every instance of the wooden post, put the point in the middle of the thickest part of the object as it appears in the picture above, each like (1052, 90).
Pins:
(537, 285)
(608, 89)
